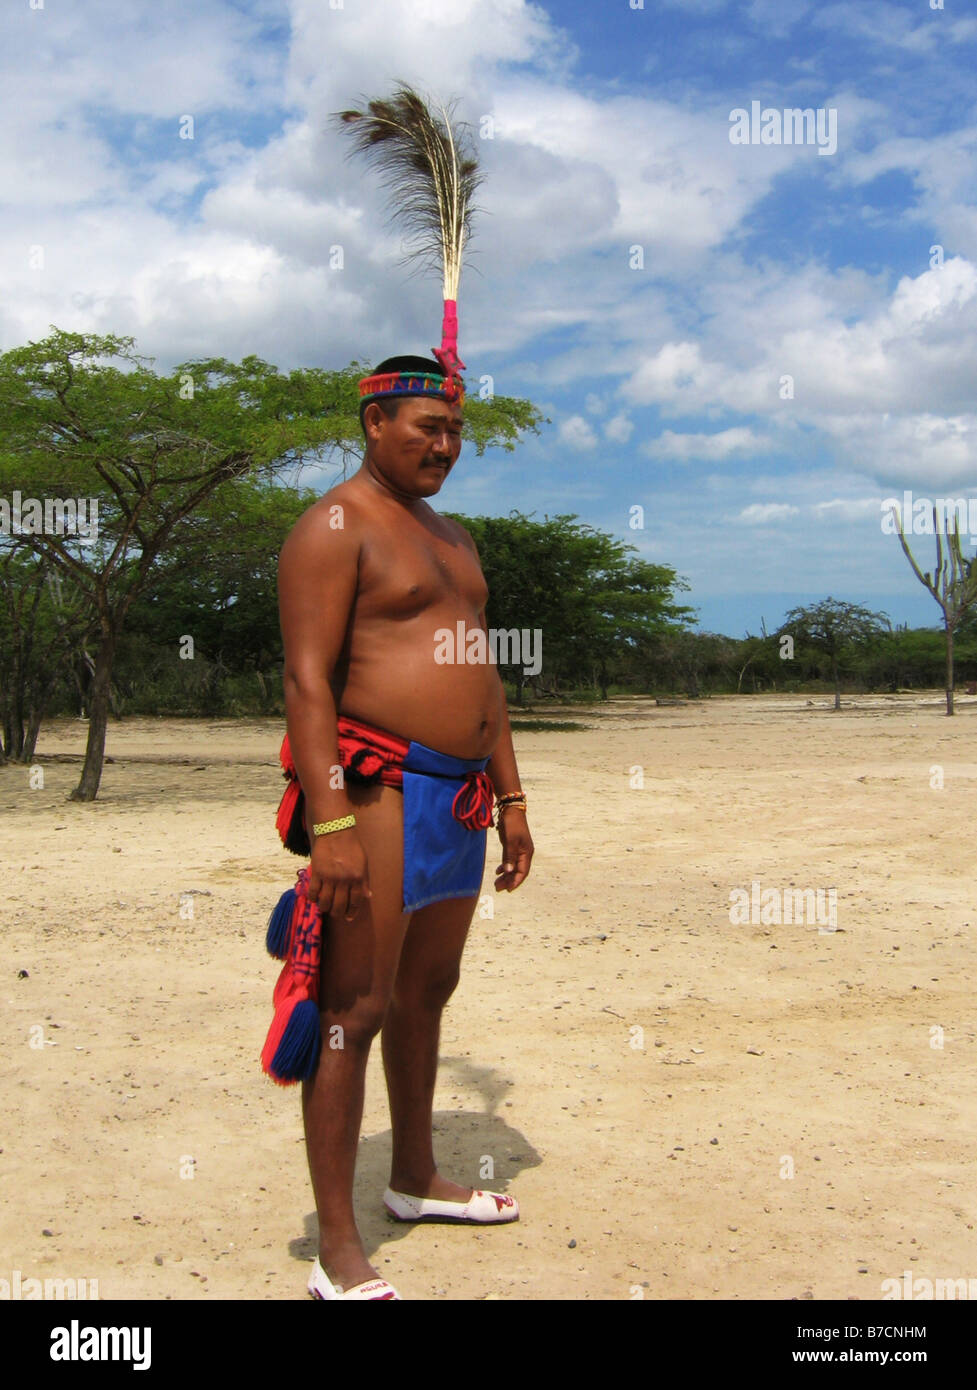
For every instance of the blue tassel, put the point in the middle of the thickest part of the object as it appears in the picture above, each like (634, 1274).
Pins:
(297, 1055)
(279, 924)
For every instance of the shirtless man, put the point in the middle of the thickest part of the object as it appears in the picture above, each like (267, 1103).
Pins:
(360, 605)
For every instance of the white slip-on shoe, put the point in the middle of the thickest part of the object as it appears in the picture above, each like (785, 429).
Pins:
(371, 1290)
(481, 1209)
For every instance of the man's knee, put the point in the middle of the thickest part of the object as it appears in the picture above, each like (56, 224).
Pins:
(429, 992)
(356, 1026)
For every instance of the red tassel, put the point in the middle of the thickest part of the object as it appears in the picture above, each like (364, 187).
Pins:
(290, 821)
(286, 810)
(285, 758)
(447, 353)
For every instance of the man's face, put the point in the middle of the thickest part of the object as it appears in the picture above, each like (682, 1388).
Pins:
(416, 450)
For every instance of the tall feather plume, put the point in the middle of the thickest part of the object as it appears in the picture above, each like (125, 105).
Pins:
(430, 169)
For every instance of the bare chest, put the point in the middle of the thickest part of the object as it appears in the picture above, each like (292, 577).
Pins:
(405, 572)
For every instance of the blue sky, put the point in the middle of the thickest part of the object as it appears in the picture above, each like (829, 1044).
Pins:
(651, 285)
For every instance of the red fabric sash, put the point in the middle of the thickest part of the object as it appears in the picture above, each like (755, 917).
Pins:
(368, 754)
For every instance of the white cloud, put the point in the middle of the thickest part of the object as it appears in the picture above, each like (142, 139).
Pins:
(577, 433)
(848, 509)
(773, 17)
(856, 353)
(673, 370)
(915, 449)
(643, 171)
(443, 48)
(723, 444)
(138, 60)
(930, 297)
(619, 428)
(763, 513)
(880, 23)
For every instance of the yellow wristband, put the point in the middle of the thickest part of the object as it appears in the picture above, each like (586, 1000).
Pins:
(325, 827)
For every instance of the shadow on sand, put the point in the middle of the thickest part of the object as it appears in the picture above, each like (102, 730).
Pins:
(464, 1143)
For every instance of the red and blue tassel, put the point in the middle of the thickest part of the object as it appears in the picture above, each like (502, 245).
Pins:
(294, 1042)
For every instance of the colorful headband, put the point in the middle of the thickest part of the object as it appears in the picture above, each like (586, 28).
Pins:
(384, 384)
(431, 170)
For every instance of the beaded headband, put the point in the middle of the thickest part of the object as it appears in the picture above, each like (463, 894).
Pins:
(385, 384)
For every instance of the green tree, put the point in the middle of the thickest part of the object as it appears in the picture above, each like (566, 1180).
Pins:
(906, 657)
(761, 653)
(582, 589)
(217, 584)
(831, 627)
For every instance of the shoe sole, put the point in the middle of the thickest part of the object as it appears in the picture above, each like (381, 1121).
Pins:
(433, 1219)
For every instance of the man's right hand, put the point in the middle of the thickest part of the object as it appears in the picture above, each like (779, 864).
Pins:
(338, 875)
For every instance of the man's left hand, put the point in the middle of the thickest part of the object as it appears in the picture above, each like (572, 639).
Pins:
(517, 850)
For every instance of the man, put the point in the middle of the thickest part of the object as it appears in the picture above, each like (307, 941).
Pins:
(360, 605)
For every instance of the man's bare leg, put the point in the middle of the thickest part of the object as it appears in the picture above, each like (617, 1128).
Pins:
(427, 975)
(359, 964)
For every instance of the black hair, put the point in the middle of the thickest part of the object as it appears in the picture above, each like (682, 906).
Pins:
(409, 364)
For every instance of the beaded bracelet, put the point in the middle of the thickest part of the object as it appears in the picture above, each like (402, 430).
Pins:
(511, 799)
(325, 827)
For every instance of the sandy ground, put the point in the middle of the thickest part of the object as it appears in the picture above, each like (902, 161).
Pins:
(685, 1107)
